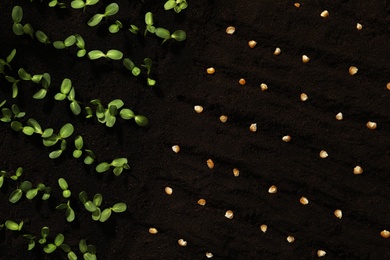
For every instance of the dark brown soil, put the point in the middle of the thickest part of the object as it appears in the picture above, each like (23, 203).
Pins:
(333, 45)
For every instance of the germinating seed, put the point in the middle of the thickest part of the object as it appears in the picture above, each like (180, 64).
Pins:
(359, 26)
(182, 242)
(371, 125)
(229, 214)
(223, 118)
(153, 231)
(176, 148)
(338, 213)
(230, 30)
(272, 189)
(263, 228)
(286, 138)
(358, 170)
(253, 127)
(304, 201)
(202, 202)
(198, 109)
(290, 239)
(168, 190)
(323, 154)
(210, 70)
(209, 255)
(305, 59)
(325, 14)
(263, 86)
(297, 5)
(304, 97)
(321, 253)
(352, 70)
(339, 116)
(210, 163)
(385, 233)
(236, 172)
(242, 82)
(277, 51)
(252, 44)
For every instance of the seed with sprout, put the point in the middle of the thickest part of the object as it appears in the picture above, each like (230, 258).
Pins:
(182, 242)
(290, 239)
(305, 59)
(297, 5)
(324, 14)
(286, 138)
(385, 233)
(277, 51)
(263, 86)
(359, 26)
(338, 213)
(223, 118)
(304, 97)
(242, 82)
(339, 116)
(352, 70)
(176, 148)
(202, 202)
(253, 127)
(263, 228)
(230, 30)
(388, 86)
(272, 189)
(252, 44)
(371, 125)
(210, 163)
(168, 190)
(358, 170)
(321, 253)
(304, 201)
(323, 154)
(229, 214)
(236, 172)
(209, 255)
(153, 231)
(210, 70)
(198, 109)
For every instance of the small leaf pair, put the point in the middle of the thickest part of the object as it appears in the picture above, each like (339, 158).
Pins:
(119, 165)
(111, 9)
(110, 55)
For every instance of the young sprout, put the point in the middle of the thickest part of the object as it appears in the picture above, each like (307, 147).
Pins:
(81, 45)
(18, 173)
(11, 225)
(42, 37)
(78, 4)
(133, 29)
(149, 23)
(111, 54)
(163, 33)
(17, 16)
(38, 130)
(114, 28)
(88, 205)
(176, 5)
(65, 132)
(141, 120)
(7, 61)
(13, 113)
(31, 194)
(14, 85)
(179, 35)
(69, 212)
(16, 195)
(64, 187)
(111, 9)
(78, 143)
(17, 126)
(68, 42)
(90, 158)
(31, 241)
(148, 65)
(131, 66)
(88, 251)
(119, 164)
(58, 243)
(117, 208)
(44, 234)
(3, 174)
(45, 79)
(67, 90)
(54, 3)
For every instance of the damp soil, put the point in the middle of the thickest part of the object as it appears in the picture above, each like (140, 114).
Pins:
(333, 44)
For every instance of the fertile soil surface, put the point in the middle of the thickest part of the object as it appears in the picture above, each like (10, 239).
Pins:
(333, 44)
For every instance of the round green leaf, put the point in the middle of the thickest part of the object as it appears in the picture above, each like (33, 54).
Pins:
(16, 126)
(59, 239)
(80, 41)
(72, 256)
(23, 74)
(31, 244)
(17, 28)
(88, 160)
(66, 193)
(78, 142)
(95, 54)
(66, 130)
(75, 107)
(149, 18)
(15, 196)
(90, 206)
(89, 256)
(119, 207)
(63, 184)
(40, 94)
(119, 162)
(118, 103)
(83, 197)
(69, 214)
(128, 64)
(59, 96)
(17, 14)
(70, 41)
(49, 248)
(12, 225)
(169, 4)
(91, 2)
(151, 82)
(28, 130)
(97, 199)
(77, 4)
(114, 28)
(66, 86)
(105, 215)
(96, 214)
(141, 120)
(81, 53)
(111, 9)
(126, 114)
(31, 194)
(136, 71)
(110, 121)
(117, 171)
(48, 132)
(179, 35)
(95, 20)
(102, 167)
(83, 246)
(114, 54)
(55, 154)
(183, 5)
(27, 29)
(59, 45)
(77, 153)
(42, 37)
(163, 33)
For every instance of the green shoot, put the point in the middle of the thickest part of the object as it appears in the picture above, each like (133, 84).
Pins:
(114, 28)
(149, 23)
(148, 65)
(31, 241)
(44, 234)
(14, 85)
(78, 143)
(38, 130)
(16, 195)
(27, 29)
(54, 3)
(17, 126)
(88, 251)
(17, 16)
(58, 243)
(88, 205)
(176, 5)
(131, 66)
(81, 45)
(3, 174)
(119, 165)
(78, 4)
(141, 121)
(45, 79)
(65, 132)
(111, 54)
(7, 61)
(69, 212)
(18, 173)
(111, 9)
(133, 29)
(67, 90)
(42, 37)
(32, 193)
(64, 187)
(70, 41)
(117, 208)
(90, 158)
(163, 33)
(11, 225)
(179, 35)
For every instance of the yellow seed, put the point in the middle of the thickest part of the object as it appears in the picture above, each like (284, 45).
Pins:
(339, 116)
(168, 190)
(388, 86)
(236, 172)
(277, 51)
(153, 231)
(323, 154)
(263, 228)
(305, 59)
(338, 213)
(253, 127)
(182, 242)
(272, 189)
(358, 170)
(202, 202)
(286, 138)
(176, 148)
(304, 200)
(210, 163)
(252, 44)
(371, 125)
(229, 214)
(263, 86)
(385, 233)
(242, 81)
(223, 118)
(352, 70)
(198, 109)
(209, 255)
(321, 253)
(297, 5)
(290, 239)
(210, 70)
(230, 30)
(359, 26)
(325, 14)
(304, 97)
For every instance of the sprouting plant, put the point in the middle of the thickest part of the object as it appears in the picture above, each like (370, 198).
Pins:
(111, 54)
(90, 158)
(149, 23)
(44, 234)
(91, 206)
(3, 174)
(78, 143)
(117, 208)
(17, 126)
(178, 35)
(38, 130)
(45, 79)
(65, 132)
(58, 243)
(108, 116)
(42, 37)
(14, 85)
(31, 241)
(69, 41)
(64, 187)
(16, 195)
(131, 66)
(81, 45)
(17, 16)
(133, 29)
(11, 225)
(18, 173)
(7, 61)
(67, 90)
(88, 251)
(110, 10)
(69, 212)
(148, 65)
(13, 113)
(32, 193)
(78, 4)
(119, 164)
(54, 3)
(176, 5)
(114, 28)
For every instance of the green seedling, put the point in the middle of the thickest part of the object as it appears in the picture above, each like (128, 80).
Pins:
(78, 143)
(31, 241)
(42, 37)
(44, 79)
(69, 212)
(111, 9)
(148, 65)
(32, 193)
(54, 3)
(44, 234)
(131, 66)
(117, 208)
(65, 132)
(7, 61)
(64, 187)
(38, 130)
(3, 174)
(149, 23)
(16, 195)
(114, 28)
(78, 4)
(67, 90)
(107, 116)
(14, 85)
(17, 174)
(11, 225)
(91, 206)
(88, 251)
(119, 164)
(68, 42)
(81, 45)
(17, 126)
(133, 29)
(9, 114)
(58, 243)
(178, 35)
(17, 16)
(110, 55)
(141, 121)
(90, 158)
(97, 200)
(176, 5)
(126, 114)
